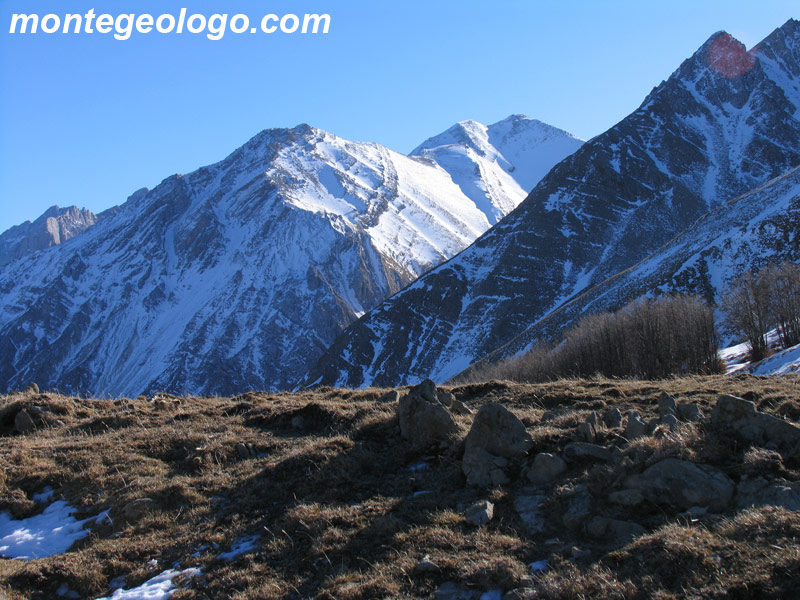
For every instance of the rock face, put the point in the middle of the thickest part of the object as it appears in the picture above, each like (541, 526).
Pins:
(699, 140)
(742, 417)
(683, 485)
(54, 227)
(240, 274)
(496, 435)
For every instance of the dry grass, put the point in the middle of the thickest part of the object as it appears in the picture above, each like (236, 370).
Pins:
(336, 508)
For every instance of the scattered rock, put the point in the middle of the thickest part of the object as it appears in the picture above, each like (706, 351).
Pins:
(612, 418)
(422, 422)
(498, 431)
(652, 425)
(390, 397)
(450, 590)
(579, 507)
(480, 513)
(245, 451)
(586, 432)
(622, 531)
(683, 484)
(670, 421)
(546, 467)
(138, 509)
(459, 408)
(578, 450)
(527, 506)
(635, 428)
(666, 405)
(426, 565)
(627, 498)
(761, 492)
(743, 418)
(23, 422)
(689, 412)
(32, 388)
(484, 469)
(445, 397)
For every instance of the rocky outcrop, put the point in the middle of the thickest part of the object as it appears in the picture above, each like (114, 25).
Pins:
(742, 418)
(682, 485)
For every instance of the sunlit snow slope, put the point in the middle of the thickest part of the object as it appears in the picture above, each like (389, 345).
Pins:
(240, 274)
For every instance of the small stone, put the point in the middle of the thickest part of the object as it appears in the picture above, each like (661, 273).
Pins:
(689, 412)
(426, 565)
(445, 397)
(546, 467)
(578, 509)
(612, 418)
(666, 405)
(652, 425)
(623, 531)
(635, 428)
(528, 508)
(459, 408)
(586, 432)
(242, 450)
(23, 422)
(480, 513)
(483, 469)
(580, 450)
(670, 421)
(626, 497)
(32, 388)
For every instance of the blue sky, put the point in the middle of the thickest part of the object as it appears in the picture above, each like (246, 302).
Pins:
(88, 119)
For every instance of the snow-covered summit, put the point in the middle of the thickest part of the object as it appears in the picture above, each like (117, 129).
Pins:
(509, 157)
(238, 275)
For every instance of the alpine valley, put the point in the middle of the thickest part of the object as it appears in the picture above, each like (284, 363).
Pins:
(694, 156)
(239, 275)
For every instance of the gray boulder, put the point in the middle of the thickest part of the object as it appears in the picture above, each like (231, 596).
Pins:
(635, 428)
(546, 467)
(742, 417)
(761, 492)
(390, 397)
(498, 431)
(23, 422)
(425, 390)
(612, 418)
(484, 469)
(579, 450)
(422, 422)
(689, 412)
(666, 405)
(682, 484)
(480, 513)
(622, 531)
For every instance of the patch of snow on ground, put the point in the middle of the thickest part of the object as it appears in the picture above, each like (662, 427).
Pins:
(159, 587)
(240, 546)
(51, 532)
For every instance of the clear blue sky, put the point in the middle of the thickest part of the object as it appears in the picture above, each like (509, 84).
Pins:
(88, 119)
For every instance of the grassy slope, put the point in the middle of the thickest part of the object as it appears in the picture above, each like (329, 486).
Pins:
(333, 501)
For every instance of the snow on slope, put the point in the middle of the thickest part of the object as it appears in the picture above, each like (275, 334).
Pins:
(496, 166)
(238, 275)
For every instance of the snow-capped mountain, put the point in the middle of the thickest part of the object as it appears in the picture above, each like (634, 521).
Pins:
(55, 226)
(725, 122)
(240, 274)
